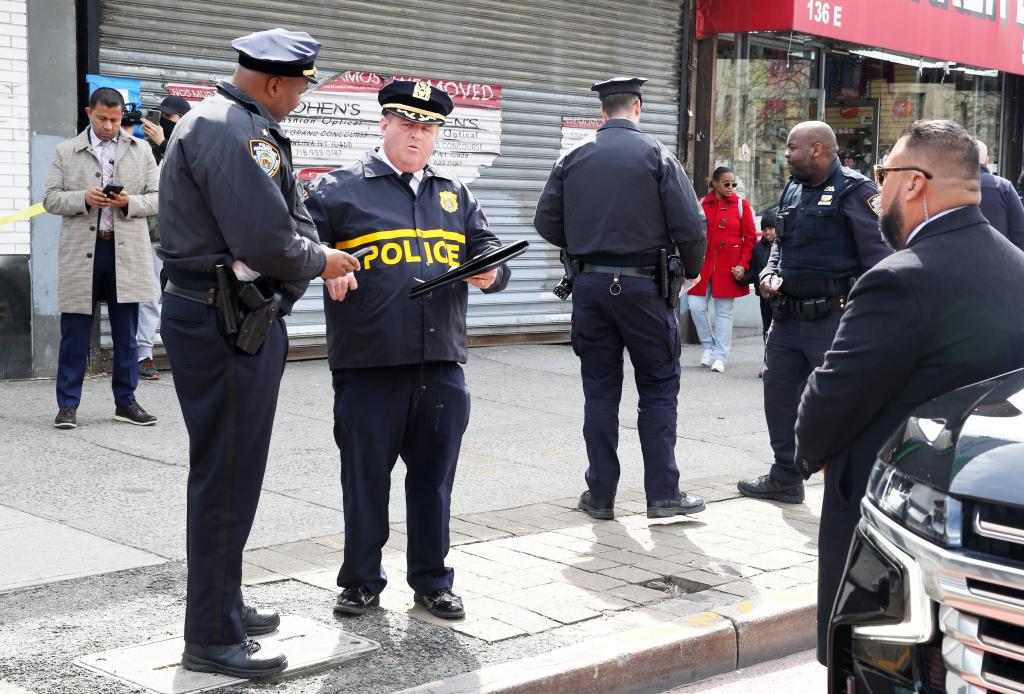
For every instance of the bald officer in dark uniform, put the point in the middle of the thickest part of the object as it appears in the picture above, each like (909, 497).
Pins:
(399, 390)
(615, 202)
(230, 203)
(826, 238)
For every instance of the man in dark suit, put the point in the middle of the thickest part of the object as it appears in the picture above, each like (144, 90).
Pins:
(941, 313)
(1000, 203)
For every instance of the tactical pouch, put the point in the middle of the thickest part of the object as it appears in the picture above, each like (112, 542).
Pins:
(254, 329)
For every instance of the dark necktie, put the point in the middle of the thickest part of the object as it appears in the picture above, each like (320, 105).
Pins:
(407, 178)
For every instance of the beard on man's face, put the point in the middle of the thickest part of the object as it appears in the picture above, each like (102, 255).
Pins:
(891, 224)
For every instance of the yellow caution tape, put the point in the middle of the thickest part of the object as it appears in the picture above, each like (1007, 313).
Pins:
(22, 215)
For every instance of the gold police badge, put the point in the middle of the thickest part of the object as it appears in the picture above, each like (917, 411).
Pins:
(449, 201)
(266, 155)
(421, 91)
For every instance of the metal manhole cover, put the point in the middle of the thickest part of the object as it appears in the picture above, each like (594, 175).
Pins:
(155, 665)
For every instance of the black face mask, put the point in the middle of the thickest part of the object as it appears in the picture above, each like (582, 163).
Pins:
(168, 127)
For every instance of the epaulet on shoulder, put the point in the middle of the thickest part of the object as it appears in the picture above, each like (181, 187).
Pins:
(853, 174)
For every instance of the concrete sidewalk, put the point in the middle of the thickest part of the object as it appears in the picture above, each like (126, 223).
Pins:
(95, 521)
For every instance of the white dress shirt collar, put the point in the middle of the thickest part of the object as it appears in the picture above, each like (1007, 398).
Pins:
(416, 177)
(932, 219)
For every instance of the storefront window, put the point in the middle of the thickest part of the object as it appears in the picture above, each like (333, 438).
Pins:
(766, 84)
(762, 92)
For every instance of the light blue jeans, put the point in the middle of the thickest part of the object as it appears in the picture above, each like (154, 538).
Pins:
(719, 341)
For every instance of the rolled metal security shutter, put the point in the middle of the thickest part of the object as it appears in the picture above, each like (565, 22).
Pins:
(544, 54)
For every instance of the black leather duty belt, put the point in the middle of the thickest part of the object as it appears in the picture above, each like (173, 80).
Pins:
(200, 296)
(646, 272)
(812, 309)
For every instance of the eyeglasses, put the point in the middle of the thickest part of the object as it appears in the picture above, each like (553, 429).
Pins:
(729, 184)
(882, 171)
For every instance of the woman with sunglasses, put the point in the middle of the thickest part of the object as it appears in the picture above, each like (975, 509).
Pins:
(731, 237)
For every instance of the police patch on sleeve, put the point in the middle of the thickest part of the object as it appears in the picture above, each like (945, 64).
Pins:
(449, 201)
(875, 203)
(266, 155)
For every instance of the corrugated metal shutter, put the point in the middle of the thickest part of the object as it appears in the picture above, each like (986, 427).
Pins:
(543, 53)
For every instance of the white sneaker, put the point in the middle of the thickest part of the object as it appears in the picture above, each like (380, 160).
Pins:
(707, 358)
(718, 366)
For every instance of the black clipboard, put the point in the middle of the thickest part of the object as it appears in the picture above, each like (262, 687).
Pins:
(481, 263)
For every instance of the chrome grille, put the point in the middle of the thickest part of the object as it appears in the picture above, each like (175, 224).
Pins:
(982, 654)
(996, 530)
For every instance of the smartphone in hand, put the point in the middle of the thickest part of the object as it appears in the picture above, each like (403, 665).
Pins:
(153, 117)
(112, 191)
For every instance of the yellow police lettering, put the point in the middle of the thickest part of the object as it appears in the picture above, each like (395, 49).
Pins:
(441, 251)
(430, 257)
(453, 254)
(410, 256)
(372, 255)
(394, 256)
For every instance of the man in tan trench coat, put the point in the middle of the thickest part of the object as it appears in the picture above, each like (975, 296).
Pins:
(104, 250)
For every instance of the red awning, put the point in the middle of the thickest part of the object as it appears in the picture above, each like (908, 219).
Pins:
(990, 36)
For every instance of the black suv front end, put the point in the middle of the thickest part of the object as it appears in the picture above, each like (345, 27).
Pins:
(932, 599)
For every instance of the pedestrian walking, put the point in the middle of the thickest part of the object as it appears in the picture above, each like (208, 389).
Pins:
(618, 203)
(1000, 203)
(758, 262)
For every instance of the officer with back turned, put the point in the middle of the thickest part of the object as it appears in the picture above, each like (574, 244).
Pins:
(827, 235)
(621, 205)
(238, 249)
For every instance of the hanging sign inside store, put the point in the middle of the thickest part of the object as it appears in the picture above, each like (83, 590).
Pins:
(576, 130)
(978, 33)
(339, 121)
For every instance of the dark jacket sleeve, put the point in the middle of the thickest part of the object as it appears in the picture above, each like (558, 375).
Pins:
(319, 212)
(684, 216)
(862, 221)
(480, 239)
(878, 342)
(260, 231)
(1014, 216)
(548, 220)
(772, 266)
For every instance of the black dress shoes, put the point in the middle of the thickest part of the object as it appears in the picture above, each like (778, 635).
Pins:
(355, 600)
(765, 487)
(442, 603)
(259, 622)
(66, 418)
(596, 510)
(134, 414)
(237, 659)
(667, 508)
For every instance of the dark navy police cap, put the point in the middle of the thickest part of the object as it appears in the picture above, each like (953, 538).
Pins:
(619, 85)
(415, 101)
(174, 106)
(279, 52)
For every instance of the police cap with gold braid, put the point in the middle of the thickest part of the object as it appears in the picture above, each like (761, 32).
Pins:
(279, 52)
(415, 101)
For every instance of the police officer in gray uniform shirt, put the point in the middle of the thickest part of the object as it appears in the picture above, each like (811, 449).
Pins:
(827, 236)
(237, 245)
(615, 203)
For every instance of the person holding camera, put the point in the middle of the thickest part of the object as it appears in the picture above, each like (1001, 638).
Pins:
(104, 184)
(158, 128)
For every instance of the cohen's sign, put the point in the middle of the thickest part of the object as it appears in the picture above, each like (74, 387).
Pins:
(981, 33)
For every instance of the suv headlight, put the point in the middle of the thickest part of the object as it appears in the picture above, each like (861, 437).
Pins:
(922, 509)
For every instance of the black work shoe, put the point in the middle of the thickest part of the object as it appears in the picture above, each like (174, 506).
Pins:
(764, 487)
(442, 603)
(147, 370)
(259, 622)
(67, 418)
(134, 414)
(594, 509)
(355, 600)
(667, 508)
(237, 659)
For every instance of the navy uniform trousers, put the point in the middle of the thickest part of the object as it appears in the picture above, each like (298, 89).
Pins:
(76, 331)
(228, 399)
(418, 412)
(639, 320)
(795, 348)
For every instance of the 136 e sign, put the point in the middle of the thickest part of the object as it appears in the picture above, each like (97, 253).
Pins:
(825, 13)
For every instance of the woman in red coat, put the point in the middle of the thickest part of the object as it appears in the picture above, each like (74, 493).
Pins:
(731, 238)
